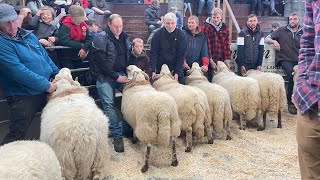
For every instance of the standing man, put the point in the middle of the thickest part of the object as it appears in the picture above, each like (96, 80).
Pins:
(217, 34)
(307, 95)
(286, 42)
(152, 16)
(250, 44)
(111, 50)
(168, 46)
(25, 68)
(197, 49)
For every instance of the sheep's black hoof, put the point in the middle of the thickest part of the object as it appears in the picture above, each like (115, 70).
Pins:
(279, 126)
(174, 163)
(228, 137)
(210, 141)
(242, 128)
(188, 149)
(144, 168)
(261, 128)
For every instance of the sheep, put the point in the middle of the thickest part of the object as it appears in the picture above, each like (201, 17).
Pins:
(76, 129)
(32, 160)
(295, 77)
(244, 94)
(273, 94)
(218, 98)
(153, 115)
(192, 103)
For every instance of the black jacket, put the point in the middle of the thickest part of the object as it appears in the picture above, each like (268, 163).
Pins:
(152, 15)
(106, 62)
(168, 48)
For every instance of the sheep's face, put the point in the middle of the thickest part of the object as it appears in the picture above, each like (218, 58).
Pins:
(65, 74)
(62, 85)
(222, 67)
(195, 70)
(295, 70)
(131, 70)
(165, 70)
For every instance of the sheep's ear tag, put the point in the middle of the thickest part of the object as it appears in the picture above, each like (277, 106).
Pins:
(76, 79)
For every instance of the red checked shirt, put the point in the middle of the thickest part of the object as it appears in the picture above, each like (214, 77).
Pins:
(218, 41)
(308, 83)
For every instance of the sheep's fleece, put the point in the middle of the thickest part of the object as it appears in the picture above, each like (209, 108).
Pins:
(28, 160)
(76, 129)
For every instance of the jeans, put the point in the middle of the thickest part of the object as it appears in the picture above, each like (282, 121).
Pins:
(255, 5)
(153, 27)
(90, 13)
(107, 95)
(287, 66)
(209, 5)
(22, 111)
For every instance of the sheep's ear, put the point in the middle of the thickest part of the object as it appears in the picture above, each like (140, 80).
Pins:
(56, 79)
(145, 75)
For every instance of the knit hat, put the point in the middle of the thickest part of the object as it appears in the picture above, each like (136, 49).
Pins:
(77, 13)
(7, 13)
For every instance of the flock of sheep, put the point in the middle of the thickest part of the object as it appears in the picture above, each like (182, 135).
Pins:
(73, 141)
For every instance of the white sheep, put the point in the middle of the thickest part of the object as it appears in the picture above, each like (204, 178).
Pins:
(273, 94)
(153, 115)
(295, 77)
(32, 160)
(244, 94)
(76, 129)
(218, 99)
(192, 103)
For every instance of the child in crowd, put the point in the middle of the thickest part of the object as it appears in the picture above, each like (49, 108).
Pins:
(93, 27)
(45, 25)
(179, 19)
(74, 33)
(139, 56)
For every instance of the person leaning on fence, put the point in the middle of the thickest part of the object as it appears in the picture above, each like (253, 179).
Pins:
(100, 7)
(45, 26)
(250, 46)
(111, 49)
(168, 46)
(197, 48)
(217, 34)
(25, 69)
(307, 96)
(74, 33)
(286, 42)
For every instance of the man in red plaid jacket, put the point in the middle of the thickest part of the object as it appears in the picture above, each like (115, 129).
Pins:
(217, 34)
(307, 95)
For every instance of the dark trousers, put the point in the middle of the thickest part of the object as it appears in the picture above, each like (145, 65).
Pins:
(287, 66)
(247, 66)
(22, 111)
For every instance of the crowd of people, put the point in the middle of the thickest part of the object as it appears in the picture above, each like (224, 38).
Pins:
(26, 70)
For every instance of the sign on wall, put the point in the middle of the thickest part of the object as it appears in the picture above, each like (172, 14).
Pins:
(268, 62)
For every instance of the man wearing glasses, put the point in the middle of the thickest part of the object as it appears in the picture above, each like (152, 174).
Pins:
(286, 42)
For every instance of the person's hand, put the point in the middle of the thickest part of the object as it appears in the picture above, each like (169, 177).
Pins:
(122, 79)
(276, 45)
(51, 39)
(176, 77)
(106, 12)
(24, 12)
(243, 71)
(204, 68)
(227, 63)
(39, 12)
(213, 64)
(82, 53)
(186, 66)
(159, 22)
(61, 15)
(153, 76)
(259, 68)
(52, 88)
(44, 42)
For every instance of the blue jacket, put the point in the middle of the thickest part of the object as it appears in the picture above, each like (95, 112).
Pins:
(25, 66)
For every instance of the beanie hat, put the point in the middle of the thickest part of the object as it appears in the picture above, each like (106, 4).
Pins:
(77, 13)
(7, 13)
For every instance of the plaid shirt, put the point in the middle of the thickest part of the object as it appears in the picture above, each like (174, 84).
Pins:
(308, 83)
(218, 41)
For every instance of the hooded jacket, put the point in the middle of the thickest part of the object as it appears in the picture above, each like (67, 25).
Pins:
(142, 61)
(152, 15)
(25, 66)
